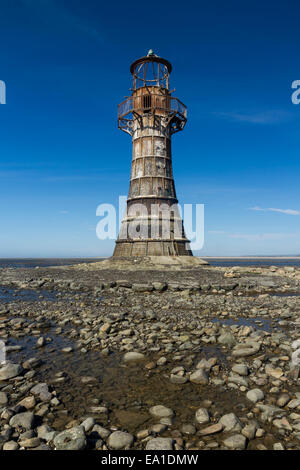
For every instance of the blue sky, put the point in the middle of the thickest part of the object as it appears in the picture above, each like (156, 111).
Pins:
(66, 67)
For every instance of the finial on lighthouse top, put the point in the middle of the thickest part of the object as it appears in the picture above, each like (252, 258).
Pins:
(150, 53)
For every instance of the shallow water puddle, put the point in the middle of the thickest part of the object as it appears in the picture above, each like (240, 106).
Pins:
(91, 381)
(27, 295)
(258, 323)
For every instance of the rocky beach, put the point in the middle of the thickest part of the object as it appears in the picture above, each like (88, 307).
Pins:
(128, 356)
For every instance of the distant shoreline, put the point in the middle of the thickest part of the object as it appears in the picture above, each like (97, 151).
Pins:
(251, 257)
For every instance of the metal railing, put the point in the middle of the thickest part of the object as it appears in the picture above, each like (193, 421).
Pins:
(142, 104)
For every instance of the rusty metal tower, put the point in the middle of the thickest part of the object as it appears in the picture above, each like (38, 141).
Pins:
(151, 116)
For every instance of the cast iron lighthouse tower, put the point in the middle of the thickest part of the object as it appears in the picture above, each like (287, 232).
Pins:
(152, 225)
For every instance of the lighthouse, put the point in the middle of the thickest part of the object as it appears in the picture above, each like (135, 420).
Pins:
(152, 225)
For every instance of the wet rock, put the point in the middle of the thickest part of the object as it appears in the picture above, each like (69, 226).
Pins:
(28, 402)
(278, 446)
(71, 439)
(120, 440)
(32, 363)
(160, 286)
(202, 416)
(41, 390)
(46, 433)
(88, 424)
(41, 342)
(158, 428)
(160, 411)
(10, 445)
(3, 399)
(255, 395)
(10, 370)
(238, 380)
(241, 369)
(160, 443)
(231, 422)
(188, 429)
(214, 429)
(247, 349)
(283, 399)
(100, 432)
(227, 339)
(236, 442)
(199, 377)
(22, 420)
(267, 411)
(30, 443)
(133, 357)
(177, 379)
(249, 431)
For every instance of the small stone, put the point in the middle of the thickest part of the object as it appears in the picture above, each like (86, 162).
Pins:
(278, 446)
(9, 371)
(133, 357)
(202, 416)
(10, 445)
(120, 440)
(260, 432)
(249, 430)
(88, 424)
(276, 373)
(100, 431)
(227, 339)
(67, 350)
(22, 420)
(237, 441)
(199, 377)
(215, 428)
(41, 342)
(240, 369)
(88, 380)
(255, 395)
(160, 443)
(158, 428)
(41, 390)
(28, 402)
(71, 439)
(105, 328)
(283, 400)
(3, 399)
(161, 361)
(188, 429)
(30, 443)
(32, 363)
(160, 411)
(177, 379)
(143, 434)
(231, 422)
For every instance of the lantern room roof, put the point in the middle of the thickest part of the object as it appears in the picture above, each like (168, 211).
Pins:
(151, 57)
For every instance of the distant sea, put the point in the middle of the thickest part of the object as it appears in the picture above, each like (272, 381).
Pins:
(46, 262)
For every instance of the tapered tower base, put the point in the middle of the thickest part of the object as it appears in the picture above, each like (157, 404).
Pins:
(139, 248)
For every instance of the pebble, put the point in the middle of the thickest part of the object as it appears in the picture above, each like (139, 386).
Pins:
(255, 395)
(202, 416)
(237, 442)
(120, 440)
(160, 411)
(160, 443)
